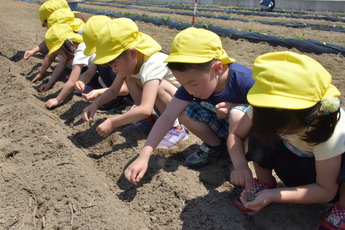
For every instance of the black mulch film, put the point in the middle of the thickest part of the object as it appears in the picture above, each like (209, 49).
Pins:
(303, 45)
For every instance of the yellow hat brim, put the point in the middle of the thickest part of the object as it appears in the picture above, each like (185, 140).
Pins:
(58, 34)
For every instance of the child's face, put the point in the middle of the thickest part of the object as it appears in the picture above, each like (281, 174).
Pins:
(123, 65)
(200, 84)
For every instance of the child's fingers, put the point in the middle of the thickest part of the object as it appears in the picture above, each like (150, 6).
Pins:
(140, 175)
(130, 176)
(221, 105)
(79, 87)
(86, 115)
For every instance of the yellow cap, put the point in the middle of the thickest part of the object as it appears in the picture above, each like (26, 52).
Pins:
(58, 34)
(47, 8)
(91, 29)
(120, 34)
(288, 80)
(65, 16)
(61, 16)
(194, 45)
(63, 3)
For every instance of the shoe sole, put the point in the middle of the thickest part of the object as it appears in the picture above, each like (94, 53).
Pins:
(165, 147)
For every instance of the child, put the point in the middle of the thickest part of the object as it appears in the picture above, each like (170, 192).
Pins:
(212, 86)
(295, 127)
(136, 58)
(73, 4)
(105, 74)
(46, 11)
(61, 39)
(267, 5)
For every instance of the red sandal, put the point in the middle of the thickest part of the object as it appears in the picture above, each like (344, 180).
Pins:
(258, 186)
(334, 219)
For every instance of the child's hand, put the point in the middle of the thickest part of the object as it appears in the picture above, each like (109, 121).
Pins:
(52, 103)
(223, 109)
(91, 96)
(28, 54)
(105, 128)
(258, 201)
(242, 177)
(44, 87)
(38, 76)
(136, 171)
(79, 86)
(88, 113)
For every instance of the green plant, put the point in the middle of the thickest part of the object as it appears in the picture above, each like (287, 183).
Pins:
(166, 19)
(144, 17)
(207, 25)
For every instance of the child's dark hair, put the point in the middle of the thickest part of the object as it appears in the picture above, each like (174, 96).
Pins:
(68, 48)
(183, 67)
(124, 53)
(268, 123)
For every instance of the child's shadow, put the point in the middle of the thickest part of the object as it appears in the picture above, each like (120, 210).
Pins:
(156, 163)
(72, 116)
(217, 211)
(32, 73)
(88, 137)
(215, 174)
(212, 211)
(16, 57)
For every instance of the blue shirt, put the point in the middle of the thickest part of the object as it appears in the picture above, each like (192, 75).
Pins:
(239, 82)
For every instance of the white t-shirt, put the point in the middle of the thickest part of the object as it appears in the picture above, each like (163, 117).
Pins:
(333, 147)
(155, 68)
(80, 58)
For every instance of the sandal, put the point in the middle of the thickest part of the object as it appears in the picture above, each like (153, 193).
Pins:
(334, 219)
(258, 186)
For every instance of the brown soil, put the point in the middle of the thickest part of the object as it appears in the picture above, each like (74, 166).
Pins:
(57, 173)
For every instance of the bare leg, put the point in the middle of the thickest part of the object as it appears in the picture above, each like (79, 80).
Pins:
(263, 175)
(165, 93)
(201, 130)
(342, 195)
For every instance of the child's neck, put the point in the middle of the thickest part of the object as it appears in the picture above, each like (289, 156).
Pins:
(223, 78)
(140, 62)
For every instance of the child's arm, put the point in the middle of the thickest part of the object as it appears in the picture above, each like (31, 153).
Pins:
(110, 94)
(241, 175)
(47, 61)
(135, 171)
(141, 111)
(56, 74)
(324, 190)
(93, 94)
(85, 78)
(39, 48)
(223, 109)
(77, 14)
(67, 88)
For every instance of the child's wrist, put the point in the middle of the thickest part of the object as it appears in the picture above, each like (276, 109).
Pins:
(145, 154)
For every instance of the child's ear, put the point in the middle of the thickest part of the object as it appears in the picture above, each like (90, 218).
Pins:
(133, 52)
(218, 67)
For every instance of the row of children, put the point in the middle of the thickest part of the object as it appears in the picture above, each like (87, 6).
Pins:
(283, 115)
